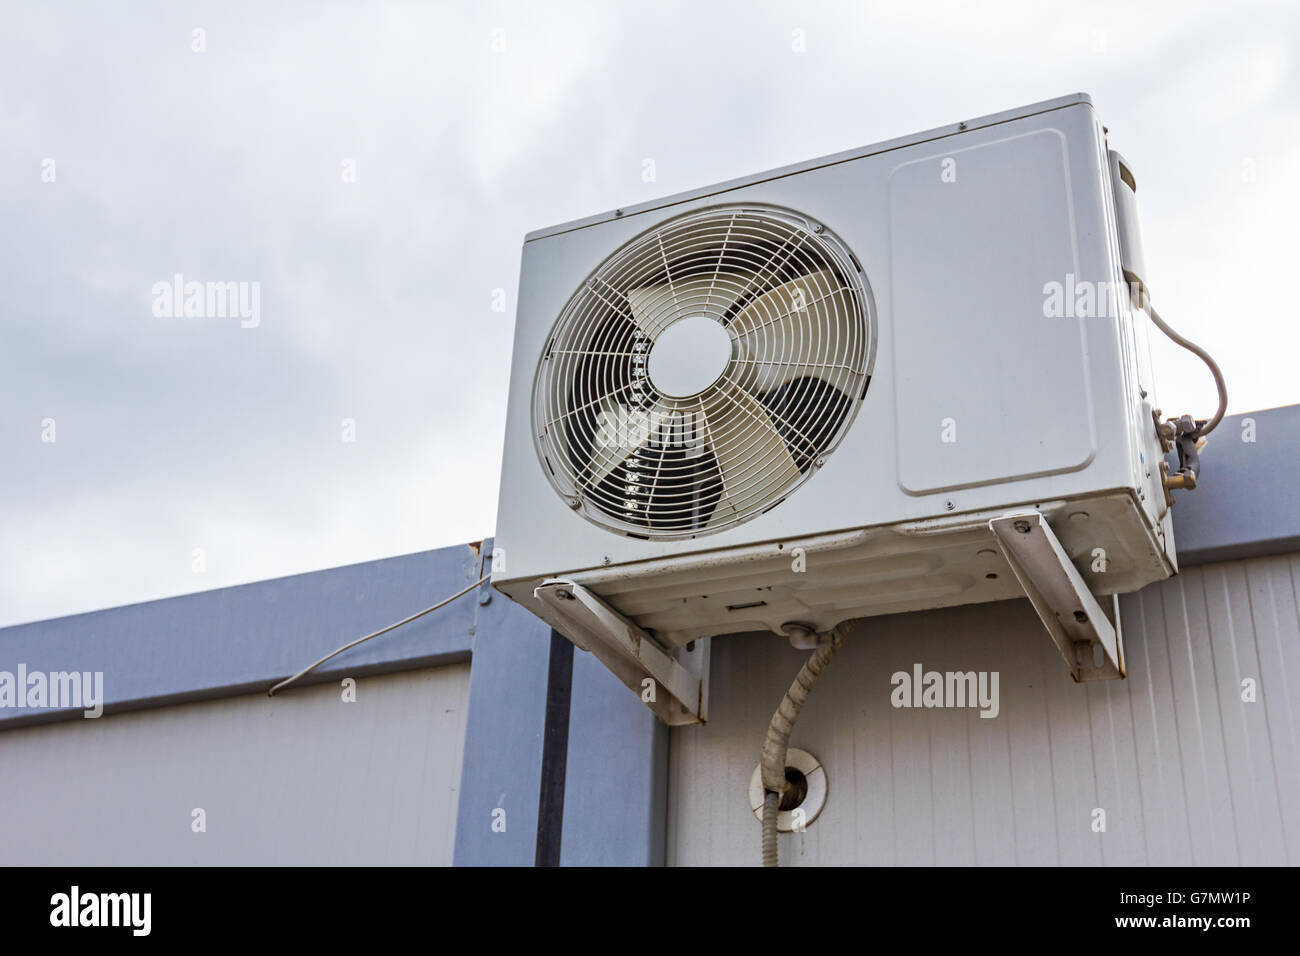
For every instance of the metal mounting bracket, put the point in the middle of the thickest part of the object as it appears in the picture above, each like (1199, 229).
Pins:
(1093, 646)
(678, 692)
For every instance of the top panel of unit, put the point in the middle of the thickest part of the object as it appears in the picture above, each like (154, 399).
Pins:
(939, 132)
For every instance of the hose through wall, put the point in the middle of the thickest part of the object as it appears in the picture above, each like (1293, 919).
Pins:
(777, 742)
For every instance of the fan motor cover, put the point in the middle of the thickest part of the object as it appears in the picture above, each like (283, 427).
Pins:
(703, 371)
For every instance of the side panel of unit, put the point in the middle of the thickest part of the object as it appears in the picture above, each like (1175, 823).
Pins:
(1145, 449)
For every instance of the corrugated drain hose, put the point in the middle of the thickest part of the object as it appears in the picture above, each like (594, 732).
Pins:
(777, 742)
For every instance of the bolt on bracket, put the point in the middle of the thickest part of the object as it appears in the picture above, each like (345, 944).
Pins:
(680, 675)
(1093, 646)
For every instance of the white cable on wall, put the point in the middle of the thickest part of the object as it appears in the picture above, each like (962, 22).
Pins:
(384, 630)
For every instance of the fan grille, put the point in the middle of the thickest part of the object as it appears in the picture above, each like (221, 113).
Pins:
(638, 460)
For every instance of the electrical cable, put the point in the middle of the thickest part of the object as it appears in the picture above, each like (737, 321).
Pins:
(360, 640)
(777, 742)
(1203, 428)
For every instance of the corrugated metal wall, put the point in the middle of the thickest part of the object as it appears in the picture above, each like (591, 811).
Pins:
(1186, 772)
(304, 778)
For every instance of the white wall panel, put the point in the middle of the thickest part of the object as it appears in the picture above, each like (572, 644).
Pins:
(302, 778)
(1186, 771)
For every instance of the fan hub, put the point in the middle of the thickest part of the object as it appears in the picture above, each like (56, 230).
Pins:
(689, 356)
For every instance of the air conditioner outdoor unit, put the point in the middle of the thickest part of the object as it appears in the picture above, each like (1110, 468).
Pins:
(836, 390)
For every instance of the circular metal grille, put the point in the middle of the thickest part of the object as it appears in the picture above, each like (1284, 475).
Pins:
(707, 431)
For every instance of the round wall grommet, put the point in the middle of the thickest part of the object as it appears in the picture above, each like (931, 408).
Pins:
(814, 800)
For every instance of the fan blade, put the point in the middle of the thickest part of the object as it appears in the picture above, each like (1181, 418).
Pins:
(755, 461)
(620, 432)
(802, 328)
(655, 307)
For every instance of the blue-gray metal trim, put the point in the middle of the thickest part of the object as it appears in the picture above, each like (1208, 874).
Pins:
(242, 639)
(1247, 504)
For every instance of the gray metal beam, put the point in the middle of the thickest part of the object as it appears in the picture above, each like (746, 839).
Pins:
(496, 821)
(615, 796)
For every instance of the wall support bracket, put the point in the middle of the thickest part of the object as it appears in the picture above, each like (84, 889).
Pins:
(678, 693)
(1093, 646)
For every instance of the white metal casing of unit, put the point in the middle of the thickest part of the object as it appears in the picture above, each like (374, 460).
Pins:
(959, 231)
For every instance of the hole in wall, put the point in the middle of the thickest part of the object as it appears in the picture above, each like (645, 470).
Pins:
(798, 791)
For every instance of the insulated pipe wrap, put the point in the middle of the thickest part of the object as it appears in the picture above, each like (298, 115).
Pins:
(777, 742)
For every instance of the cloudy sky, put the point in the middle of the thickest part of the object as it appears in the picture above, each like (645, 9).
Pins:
(374, 168)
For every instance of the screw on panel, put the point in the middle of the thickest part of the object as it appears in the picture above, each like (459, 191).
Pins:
(606, 561)
(1022, 527)
(948, 505)
(572, 502)
(819, 462)
(618, 212)
(961, 125)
